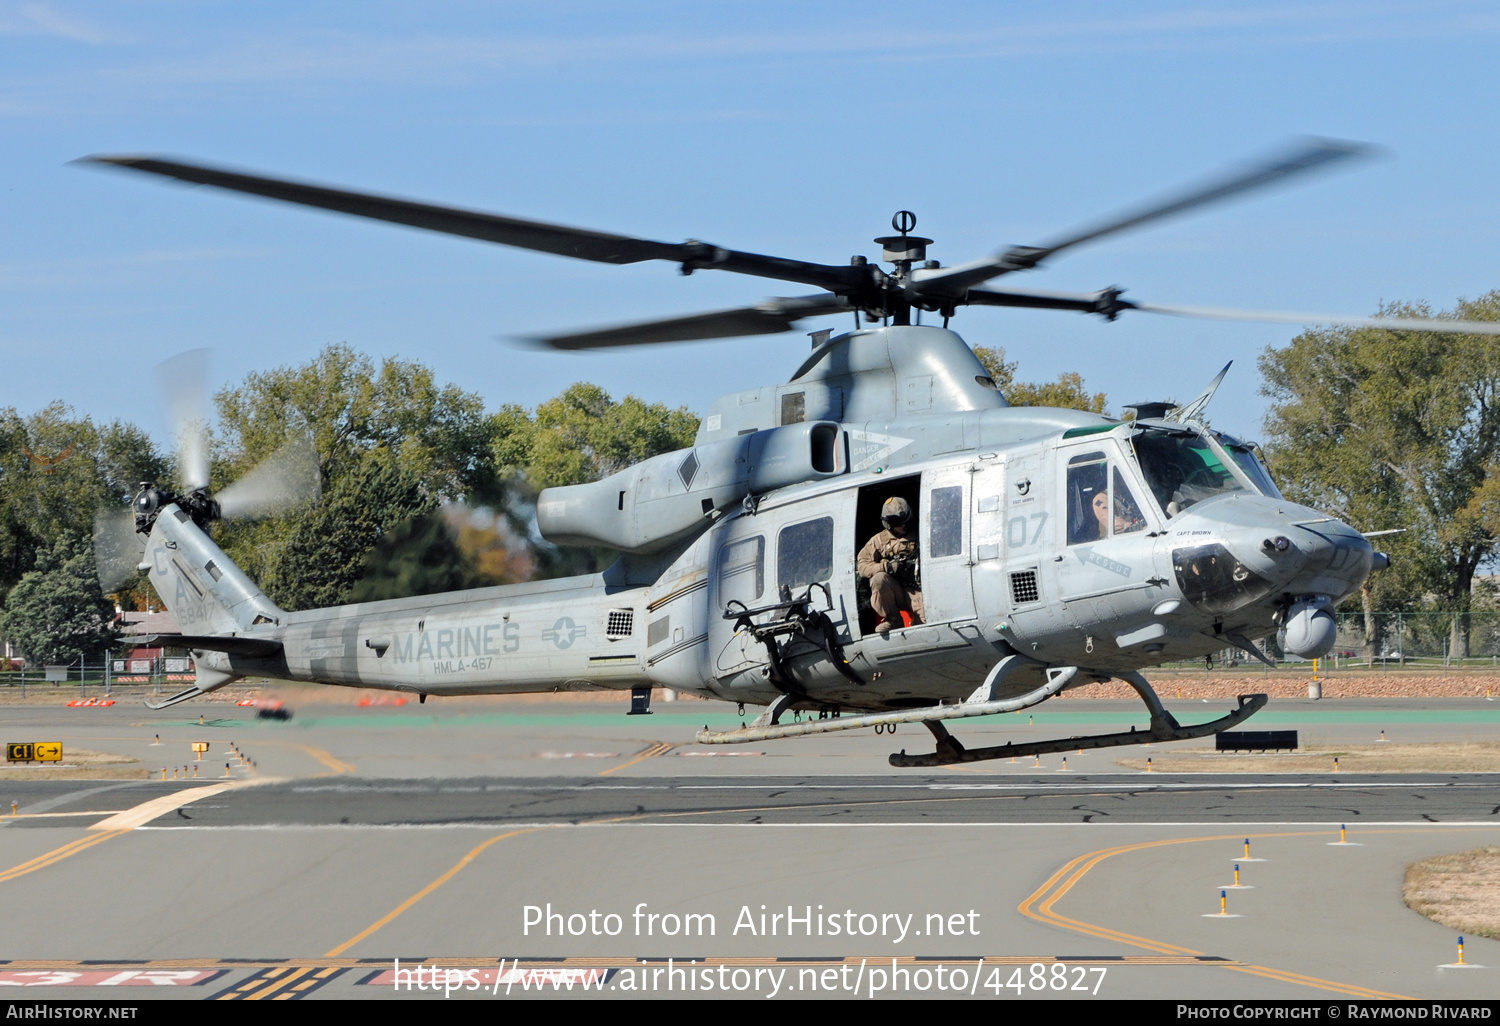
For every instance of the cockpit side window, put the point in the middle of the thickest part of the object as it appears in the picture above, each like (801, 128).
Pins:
(1181, 469)
(1100, 504)
(1127, 515)
(1088, 497)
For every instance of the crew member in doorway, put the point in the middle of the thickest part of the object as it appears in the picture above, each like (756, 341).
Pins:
(889, 561)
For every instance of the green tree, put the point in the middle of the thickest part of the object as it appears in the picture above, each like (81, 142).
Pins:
(1393, 429)
(1067, 392)
(55, 613)
(583, 435)
(328, 549)
(391, 445)
(421, 556)
(42, 505)
(579, 436)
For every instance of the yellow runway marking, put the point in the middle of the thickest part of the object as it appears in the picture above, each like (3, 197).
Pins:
(659, 748)
(322, 755)
(1065, 878)
(409, 902)
(58, 854)
(116, 824)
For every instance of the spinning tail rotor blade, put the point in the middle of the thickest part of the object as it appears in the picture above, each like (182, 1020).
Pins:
(768, 318)
(288, 478)
(184, 381)
(117, 548)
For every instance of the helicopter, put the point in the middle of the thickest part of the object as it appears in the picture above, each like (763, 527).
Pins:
(1052, 548)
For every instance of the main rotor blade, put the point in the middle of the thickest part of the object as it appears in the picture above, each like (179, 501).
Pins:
(582, 243)
(769, 318)
(1108, 303)
(286, 479)
(1103, 302)
(950, 282)
(1283, 317)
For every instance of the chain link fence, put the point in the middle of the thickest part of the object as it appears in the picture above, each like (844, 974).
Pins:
(1409, 640)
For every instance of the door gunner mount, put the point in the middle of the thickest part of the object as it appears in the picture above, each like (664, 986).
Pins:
(792, 619)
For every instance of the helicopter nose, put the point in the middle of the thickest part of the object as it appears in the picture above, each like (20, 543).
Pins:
(1244, 551)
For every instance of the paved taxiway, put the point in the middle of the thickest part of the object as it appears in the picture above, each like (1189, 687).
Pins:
(425, 832)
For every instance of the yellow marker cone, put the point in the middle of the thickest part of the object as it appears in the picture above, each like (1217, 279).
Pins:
(1148, 764)
(1247, 847)
(1223, 903)
(226, 769)
(1460, 951)
(1342, 830)
(1236, 874)
(1039, 760)
(1065, 763)
(164, 773)
(13, 808)
(1335, 763)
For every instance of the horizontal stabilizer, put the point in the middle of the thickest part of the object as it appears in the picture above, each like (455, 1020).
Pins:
(259, 648)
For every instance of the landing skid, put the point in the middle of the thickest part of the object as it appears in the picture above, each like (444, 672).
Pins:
(1164, 727)
(949, 751)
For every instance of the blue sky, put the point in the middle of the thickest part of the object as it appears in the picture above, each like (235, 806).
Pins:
(793, 129)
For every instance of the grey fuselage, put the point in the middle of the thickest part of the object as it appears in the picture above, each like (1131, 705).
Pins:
(1013, 560)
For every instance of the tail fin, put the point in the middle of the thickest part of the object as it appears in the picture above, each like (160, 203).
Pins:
(211, 599)
(206, 592)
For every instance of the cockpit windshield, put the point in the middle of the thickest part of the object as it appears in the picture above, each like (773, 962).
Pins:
(1182, 468)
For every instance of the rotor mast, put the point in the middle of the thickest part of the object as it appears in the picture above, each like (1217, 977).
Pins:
(902, 251)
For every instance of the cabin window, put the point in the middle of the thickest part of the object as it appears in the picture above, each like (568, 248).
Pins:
(946, 528)
(742, 570)
(793, 408)
(804, 554)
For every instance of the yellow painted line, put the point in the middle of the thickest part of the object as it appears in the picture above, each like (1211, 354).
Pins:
(409, 902)
(1074, 871)
(324, 756)
(58, 854)
(277, 984)
(659, 748)
(147, 811)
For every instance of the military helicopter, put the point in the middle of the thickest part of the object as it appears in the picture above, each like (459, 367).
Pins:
(1053, 548)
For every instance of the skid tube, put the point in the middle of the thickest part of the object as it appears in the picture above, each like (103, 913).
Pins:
(949, 751)
(1164, 726)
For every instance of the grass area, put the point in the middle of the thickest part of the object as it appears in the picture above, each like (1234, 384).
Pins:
(77, 764)
(1460, 891)
(1434, 757)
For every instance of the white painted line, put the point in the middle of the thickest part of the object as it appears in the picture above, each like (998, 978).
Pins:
(1214, 828)
(145, 812)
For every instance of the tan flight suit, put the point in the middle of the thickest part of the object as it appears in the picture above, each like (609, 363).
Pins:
(888, 594)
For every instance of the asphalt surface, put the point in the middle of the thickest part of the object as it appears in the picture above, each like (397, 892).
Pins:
(360, 836)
